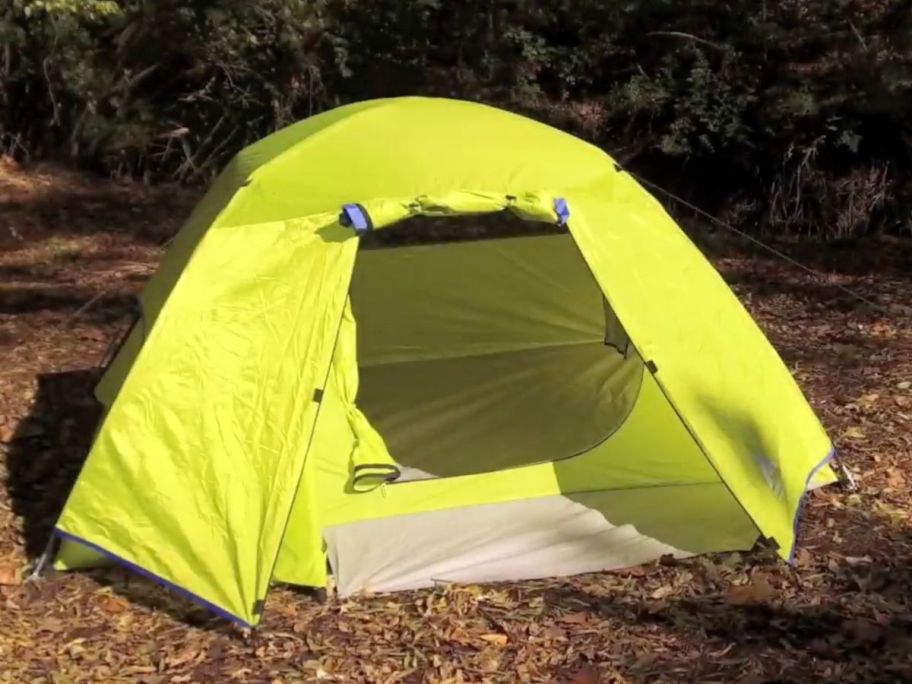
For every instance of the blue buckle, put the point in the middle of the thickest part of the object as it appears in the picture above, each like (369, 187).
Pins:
(562, 211)
(355, 217)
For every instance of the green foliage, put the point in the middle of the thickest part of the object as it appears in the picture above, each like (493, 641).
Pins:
(156, 87)
(793, 115)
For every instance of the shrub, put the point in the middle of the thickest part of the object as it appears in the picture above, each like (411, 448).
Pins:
(789, 116)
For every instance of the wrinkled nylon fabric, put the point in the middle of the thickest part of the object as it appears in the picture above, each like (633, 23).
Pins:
(195, 468)
(720, 372)
(368, 447)
(651, 448)
(343, 439)
(477, 298)
(408, 148)
(475, 414)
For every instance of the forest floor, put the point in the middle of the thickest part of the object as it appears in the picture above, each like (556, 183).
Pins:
(842, 614)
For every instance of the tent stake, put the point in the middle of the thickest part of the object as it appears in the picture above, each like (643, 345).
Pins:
(846, 479)
(41, 564)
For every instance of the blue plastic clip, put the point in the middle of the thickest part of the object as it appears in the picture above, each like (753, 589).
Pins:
(562, 211)
(354, 216)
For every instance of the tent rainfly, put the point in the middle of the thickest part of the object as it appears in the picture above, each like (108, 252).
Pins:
(287, 405)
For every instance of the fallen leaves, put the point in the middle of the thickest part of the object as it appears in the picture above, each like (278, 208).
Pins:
(577, 618)
(757, 591)
(585, 675)
(10, 574)
(842, 614)
(896, 478)
(853, 432)
(803, 557)
(662, 592)
(496, 639)
(114, 604)
(863, 631)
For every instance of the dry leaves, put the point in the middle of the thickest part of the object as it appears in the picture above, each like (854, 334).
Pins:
(755, 592)
(10, 574)
(496, 639)
(842, 614)
(586, 675)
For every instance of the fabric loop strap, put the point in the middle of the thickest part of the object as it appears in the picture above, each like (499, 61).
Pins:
(368, 476)
(562, 211)
(356, 217)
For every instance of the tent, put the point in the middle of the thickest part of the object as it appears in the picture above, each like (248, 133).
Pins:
(585, 397)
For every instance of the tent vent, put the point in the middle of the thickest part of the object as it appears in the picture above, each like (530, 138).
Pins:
(318, 395)
(652, 367)
(258, 606)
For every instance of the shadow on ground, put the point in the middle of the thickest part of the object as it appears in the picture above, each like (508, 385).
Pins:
(47, 453)
(48, 449)
(860, 632)
(106, 309)
(44, 200)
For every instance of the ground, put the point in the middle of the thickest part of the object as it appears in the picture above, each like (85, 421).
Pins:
(73, 251)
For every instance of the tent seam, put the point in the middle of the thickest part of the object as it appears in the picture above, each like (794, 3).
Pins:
(532, 347)
(313, 427)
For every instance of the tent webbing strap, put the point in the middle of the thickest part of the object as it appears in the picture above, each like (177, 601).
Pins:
(368, 476)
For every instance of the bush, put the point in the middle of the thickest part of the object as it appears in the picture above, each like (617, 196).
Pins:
(789, 116)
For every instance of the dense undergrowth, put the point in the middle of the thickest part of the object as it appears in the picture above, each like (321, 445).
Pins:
(789, 117)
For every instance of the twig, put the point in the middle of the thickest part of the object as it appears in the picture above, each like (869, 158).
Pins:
(211, 158)
(85, 307)
(864, 44)
(47, 79)
(691, 37)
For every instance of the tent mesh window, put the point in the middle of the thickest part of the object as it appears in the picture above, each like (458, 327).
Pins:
(485, 343)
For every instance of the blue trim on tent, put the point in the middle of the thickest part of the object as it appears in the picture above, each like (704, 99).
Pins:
(807, 483)
(562, 211)
(221, 612)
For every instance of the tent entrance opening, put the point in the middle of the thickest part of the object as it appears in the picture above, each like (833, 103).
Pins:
(488, 354)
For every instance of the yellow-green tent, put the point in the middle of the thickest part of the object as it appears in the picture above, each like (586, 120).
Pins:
(587, 398)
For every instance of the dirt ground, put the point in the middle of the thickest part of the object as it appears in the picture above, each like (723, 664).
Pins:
(73, 252)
